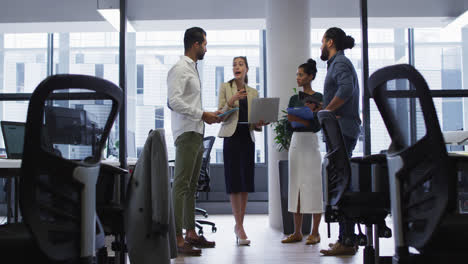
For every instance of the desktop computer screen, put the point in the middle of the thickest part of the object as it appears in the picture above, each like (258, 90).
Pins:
(13, 136)
(70, 126)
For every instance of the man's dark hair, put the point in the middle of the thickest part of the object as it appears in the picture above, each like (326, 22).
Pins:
(340, 39)
(193, 35)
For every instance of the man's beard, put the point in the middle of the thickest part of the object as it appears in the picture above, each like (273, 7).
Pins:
(324, 55)
(201, 55)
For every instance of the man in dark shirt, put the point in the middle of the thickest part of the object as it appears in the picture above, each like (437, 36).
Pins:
(341, 96)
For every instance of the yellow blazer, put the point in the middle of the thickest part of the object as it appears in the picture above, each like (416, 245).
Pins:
(229, 125)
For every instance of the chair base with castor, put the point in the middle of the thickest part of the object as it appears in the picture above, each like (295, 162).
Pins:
(342, 204)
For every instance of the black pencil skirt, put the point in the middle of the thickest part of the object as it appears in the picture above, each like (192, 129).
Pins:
(239, 161)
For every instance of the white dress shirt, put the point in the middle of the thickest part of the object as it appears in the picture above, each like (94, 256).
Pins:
(184, 98)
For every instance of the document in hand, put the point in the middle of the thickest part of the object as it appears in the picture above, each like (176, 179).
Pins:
(302, 112)
(228, 112)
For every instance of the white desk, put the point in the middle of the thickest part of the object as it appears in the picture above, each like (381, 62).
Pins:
(16, 163)
(116, 162)
(10, 163)
(458, 137)
(10, 169)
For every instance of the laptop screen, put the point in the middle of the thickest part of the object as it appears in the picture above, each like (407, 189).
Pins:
(13, 136)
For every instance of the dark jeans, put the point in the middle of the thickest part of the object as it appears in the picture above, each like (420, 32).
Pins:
(347, 228)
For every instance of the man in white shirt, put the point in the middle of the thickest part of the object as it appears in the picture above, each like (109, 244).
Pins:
(188, 118)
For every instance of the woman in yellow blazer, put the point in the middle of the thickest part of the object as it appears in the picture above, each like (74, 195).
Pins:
(239, 142)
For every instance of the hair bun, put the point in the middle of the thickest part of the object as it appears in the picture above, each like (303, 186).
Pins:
(311, 61)
(348, 42)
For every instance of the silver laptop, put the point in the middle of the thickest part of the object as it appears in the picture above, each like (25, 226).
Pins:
(265, 109)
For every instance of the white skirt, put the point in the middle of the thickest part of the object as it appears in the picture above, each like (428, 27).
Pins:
(305, 174)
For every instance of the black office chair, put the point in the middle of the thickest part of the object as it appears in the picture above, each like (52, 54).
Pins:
(423, 179)
(204, 183)
(110, 210)
(368, 207)
(57, 193)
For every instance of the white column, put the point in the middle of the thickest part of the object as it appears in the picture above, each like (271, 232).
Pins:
(288, 46)
(131, 93)
(464, 69)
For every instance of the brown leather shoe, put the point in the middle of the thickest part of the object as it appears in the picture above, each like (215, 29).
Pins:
(332, 245)
(291, 239)
(339, 250)
(188, 250)
(313, 239)
(200, 242)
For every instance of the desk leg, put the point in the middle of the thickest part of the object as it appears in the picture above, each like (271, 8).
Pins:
(8, 200)
(16, 198)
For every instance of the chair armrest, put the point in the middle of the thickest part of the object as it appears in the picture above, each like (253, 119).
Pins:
(112, 169)
(370, 159)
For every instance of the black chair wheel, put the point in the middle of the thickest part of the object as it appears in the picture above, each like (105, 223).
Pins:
(385, 232)
(361, 240)
(214, 229)
(206, 215)
(200, 232)
(348, 241)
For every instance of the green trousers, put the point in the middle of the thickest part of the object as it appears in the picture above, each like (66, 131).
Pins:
(188, 160)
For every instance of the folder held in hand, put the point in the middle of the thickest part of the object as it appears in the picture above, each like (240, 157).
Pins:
(301, 112)
(228, 112)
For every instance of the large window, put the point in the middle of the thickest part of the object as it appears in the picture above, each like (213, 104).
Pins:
(438, 55)
(24, 66)
(157, 52)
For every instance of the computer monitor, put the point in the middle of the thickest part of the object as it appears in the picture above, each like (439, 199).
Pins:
(13, 136)
(71, 126)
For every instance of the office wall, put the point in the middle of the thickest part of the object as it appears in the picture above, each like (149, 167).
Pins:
(24, 11)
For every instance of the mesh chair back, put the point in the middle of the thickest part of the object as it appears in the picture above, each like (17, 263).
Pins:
(64, 138)
(204, 179)
(338, 169)
(421, 171)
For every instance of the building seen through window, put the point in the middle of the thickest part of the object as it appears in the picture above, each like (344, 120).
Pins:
(438, 57)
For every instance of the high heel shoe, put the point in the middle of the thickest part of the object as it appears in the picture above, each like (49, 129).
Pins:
(241, 241)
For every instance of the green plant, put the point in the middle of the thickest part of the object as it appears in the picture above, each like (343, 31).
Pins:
(283, 134)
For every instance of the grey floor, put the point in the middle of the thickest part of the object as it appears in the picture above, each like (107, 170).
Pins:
(266, 246)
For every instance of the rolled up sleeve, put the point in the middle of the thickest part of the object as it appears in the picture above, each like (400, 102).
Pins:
(344, 80)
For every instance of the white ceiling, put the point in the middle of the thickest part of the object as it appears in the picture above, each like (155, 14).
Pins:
(149, 15)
